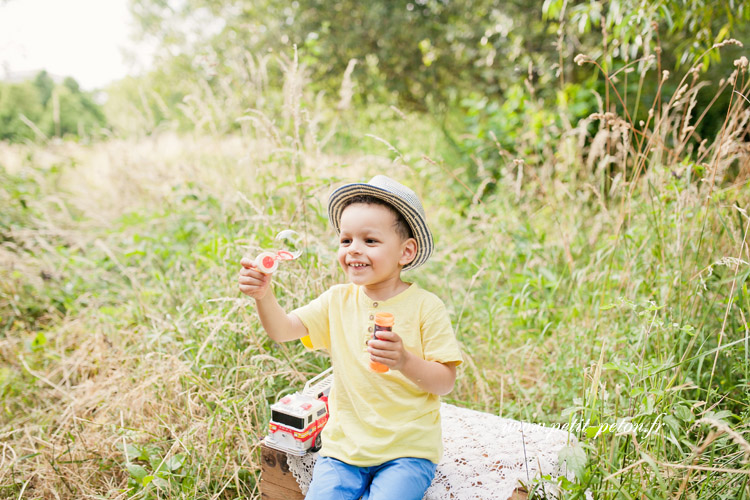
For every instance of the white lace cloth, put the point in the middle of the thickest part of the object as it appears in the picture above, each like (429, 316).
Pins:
(486, 457)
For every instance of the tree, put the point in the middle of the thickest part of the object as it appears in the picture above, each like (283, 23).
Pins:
(71, 113)
(20, 110)
(420, 52)
(39, 108)
(429, 52)
(44, 84)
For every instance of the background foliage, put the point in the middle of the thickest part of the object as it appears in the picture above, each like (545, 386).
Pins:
(40, 108)
(584, 166)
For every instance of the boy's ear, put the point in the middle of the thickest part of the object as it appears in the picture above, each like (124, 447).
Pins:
(408, 251)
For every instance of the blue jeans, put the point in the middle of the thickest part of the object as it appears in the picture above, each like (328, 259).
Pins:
(402, 478)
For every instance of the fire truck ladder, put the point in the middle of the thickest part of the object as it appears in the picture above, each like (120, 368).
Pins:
(320, 384)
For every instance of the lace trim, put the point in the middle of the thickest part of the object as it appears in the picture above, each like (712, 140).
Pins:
(486, 457)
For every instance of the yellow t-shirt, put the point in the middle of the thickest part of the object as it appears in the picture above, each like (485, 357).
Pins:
(376, 417)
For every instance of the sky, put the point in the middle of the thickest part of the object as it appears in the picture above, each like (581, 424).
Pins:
(85, 39)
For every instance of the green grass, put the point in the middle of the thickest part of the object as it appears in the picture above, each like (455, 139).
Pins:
(131, 367)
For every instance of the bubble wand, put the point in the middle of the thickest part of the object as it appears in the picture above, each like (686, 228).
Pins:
(268, 262)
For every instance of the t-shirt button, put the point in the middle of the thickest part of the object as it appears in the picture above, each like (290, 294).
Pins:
(369, 329)
(372, 317)
(374, 304)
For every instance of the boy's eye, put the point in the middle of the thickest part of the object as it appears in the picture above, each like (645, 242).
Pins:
(345, 241)
(370, 241)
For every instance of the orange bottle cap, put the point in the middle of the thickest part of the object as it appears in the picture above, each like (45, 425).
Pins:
(384, 319)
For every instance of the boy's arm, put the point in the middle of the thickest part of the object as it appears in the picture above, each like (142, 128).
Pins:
(279, 325)
(430, 376)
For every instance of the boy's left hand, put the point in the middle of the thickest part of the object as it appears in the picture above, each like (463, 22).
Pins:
(388, 349)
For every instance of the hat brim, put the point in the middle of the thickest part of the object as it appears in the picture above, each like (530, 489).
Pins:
(415, 219)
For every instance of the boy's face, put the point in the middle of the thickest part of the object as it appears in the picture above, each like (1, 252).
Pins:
(371, 252)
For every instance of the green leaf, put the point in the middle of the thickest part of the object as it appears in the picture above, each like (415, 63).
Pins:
(175, 462)
(39, 341)
(131, 452)
(574, 458)
(683, 413)
(137, 472)
(161, 483)
(672, 423)
(719, 415)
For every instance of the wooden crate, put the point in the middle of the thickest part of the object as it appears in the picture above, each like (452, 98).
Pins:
(277, 481)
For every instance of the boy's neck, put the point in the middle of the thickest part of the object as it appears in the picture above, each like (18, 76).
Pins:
(385, 290)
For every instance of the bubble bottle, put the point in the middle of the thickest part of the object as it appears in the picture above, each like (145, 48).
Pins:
(383, 323)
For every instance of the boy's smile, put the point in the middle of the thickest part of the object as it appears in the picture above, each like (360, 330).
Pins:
(371, 252)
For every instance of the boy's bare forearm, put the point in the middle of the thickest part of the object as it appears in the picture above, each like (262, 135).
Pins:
(279, 325)
(430, 376)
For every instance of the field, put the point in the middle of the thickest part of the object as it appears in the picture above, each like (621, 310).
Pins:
(606, 285)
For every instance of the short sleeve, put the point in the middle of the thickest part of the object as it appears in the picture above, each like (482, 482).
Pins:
(315, 317)
(438, 340)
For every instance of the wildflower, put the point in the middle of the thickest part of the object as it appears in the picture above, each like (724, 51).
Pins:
(729, 41)
(664, 75)
(741, 63)
(679, 95)
(581, 59)
(702, 147)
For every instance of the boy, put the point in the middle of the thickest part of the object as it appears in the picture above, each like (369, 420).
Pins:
(383, 438)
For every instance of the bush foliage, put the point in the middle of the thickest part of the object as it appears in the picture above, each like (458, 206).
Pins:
(39, 109)
(590, 223)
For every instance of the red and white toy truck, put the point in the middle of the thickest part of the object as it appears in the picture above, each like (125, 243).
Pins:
(298, 419)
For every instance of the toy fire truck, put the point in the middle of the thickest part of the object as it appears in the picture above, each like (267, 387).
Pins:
(298, 419)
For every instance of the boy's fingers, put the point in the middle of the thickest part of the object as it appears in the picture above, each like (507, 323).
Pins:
(253, 272)
(388, 336)
(381, 345)
(255, 278)
(247, 263)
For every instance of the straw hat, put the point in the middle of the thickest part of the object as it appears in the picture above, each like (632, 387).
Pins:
(400, 197)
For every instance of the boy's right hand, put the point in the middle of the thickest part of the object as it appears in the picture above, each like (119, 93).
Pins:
(253, 283)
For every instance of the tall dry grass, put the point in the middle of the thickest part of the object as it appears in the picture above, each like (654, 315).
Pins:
(131, 366)
(605, 283)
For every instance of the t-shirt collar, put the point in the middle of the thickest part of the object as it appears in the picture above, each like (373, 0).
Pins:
(370, 303)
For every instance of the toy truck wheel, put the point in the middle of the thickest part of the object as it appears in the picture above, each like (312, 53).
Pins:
(318, 444)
